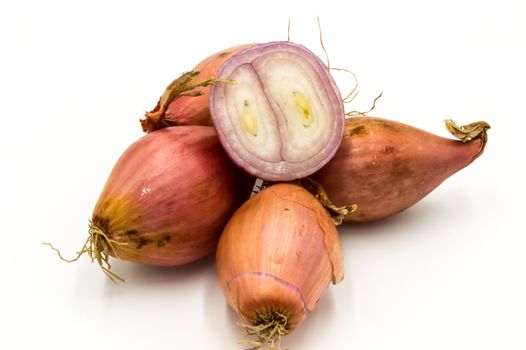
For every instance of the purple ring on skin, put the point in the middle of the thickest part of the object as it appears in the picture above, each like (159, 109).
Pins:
(274, 278)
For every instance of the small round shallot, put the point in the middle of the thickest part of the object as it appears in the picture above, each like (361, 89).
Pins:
(275, 258)
(166, 200)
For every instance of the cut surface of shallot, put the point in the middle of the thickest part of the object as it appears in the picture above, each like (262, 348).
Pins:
(277, 110)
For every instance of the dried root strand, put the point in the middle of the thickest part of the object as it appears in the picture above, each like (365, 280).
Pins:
(99, 247)
(358, 113)
(322, 45)
(337, 213)
(288, 32)
(268, 329)
(466, 133)
(354, 92)
(351, 95)
(182, 86)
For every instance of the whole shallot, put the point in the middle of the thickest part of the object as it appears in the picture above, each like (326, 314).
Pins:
(385, 167)
(166, 200)
(275, 258)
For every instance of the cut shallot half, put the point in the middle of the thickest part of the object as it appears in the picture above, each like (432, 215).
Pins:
(278, 111)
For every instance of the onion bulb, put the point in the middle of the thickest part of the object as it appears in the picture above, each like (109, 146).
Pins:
(277, 110)
(385, 167)
(275, 258)
(166, 200)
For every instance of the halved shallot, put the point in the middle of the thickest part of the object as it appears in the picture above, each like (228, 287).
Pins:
(277, 110)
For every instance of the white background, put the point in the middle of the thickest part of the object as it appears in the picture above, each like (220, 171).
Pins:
(75, 77)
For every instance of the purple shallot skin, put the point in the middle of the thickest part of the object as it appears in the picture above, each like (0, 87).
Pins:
(169, 196)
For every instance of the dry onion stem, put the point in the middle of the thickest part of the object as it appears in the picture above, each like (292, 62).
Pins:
(470, 131)
(182, 86)
(337, 213)
(99, 247)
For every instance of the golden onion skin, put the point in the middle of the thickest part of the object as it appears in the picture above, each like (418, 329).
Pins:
(278, 252)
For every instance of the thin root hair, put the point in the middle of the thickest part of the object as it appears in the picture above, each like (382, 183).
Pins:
(358, 113)
(99, 247)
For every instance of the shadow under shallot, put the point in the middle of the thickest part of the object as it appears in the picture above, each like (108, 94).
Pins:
(138, 276)
(221, 317)
(420, 214)
(321, 318)
(224, 320)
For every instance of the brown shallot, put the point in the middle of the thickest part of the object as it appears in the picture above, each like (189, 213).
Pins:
(275, 258)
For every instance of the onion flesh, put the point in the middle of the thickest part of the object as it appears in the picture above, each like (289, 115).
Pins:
(277, 110)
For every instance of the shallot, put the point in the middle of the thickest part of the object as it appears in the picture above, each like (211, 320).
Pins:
(385, 167)
(166, 200)
(275, 258)
(277, 111)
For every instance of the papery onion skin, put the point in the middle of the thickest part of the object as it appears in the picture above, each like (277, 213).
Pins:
(169, 196)
(386, 167)
(286, 160)
(278, 252)
(191, 110)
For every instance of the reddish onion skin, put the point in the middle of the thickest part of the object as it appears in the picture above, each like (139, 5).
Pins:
(278, 252)
(193, 110)
(169, 196)
(385, 167)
